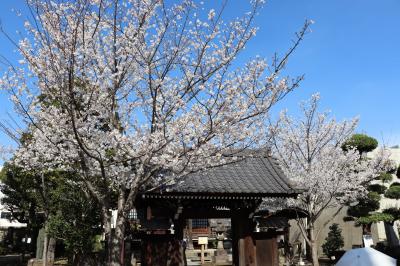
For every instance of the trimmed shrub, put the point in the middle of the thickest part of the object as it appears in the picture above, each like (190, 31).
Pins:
(394, 212)
(393, 192)
(349, 219)
(375, 217)
(380, 189)
(366, 205)
(361, 142)
(394, 184)
(398, 172)
(385, 177)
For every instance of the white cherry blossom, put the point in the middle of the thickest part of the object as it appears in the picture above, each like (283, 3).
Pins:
(310, 151)
(122, 91)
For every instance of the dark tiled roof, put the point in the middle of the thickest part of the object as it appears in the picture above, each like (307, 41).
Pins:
(259, 176)
(273, 222)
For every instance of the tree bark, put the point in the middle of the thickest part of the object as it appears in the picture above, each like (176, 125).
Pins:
(116, 240)
(45, 245)
(51, 248)
(107, 233)
(391, 236)
(117, 249)
(314, 247)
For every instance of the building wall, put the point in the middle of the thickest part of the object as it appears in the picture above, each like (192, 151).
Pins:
(352, 234)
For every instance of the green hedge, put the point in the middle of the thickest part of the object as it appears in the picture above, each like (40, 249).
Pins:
(385, 177)
(394, 184)
(394, 212)
(380, 189)
(375, 217)
(393, 192)
(366, 205)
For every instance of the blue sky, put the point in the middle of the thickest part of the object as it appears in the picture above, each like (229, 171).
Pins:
(352, 56)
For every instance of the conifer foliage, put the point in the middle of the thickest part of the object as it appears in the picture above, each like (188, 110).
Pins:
(334, 241)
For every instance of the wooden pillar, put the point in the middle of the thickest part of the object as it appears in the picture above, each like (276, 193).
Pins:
(235, 246)
(267, 252)
(243, 245)
(157, 250)
(179, 227)
(176, 252)
(248, 251)
(190, 234)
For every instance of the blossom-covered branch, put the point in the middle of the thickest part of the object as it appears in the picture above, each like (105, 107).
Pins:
(123, 91)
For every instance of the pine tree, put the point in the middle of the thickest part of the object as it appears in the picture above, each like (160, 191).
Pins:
(334, 240)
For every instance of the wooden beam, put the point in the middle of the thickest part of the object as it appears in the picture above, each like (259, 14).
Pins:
(205, 213)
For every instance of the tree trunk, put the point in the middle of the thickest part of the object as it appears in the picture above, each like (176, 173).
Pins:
(46, 215)
(107, 233)
(314, 247)
(45, 245)
(76, 259)
(117, 240)
(51, 248)
(391, 236)
(314, 251)
(117, 249)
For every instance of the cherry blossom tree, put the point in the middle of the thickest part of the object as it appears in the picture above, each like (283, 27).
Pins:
(136, 93)
(310, 151)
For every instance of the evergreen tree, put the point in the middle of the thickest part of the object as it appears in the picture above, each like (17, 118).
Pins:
(361, 142)
(57, 202)
(334, 240)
